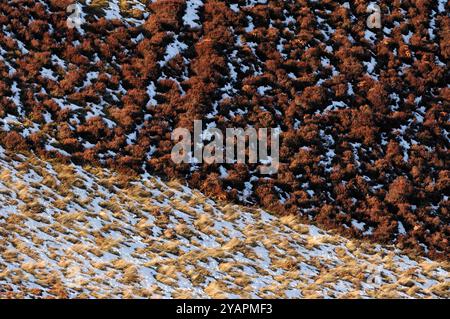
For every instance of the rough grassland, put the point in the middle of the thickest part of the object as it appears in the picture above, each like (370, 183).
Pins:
(67, 231)
(363, 112)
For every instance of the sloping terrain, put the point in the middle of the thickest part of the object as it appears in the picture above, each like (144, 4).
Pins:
(68, 231)
(363, 113)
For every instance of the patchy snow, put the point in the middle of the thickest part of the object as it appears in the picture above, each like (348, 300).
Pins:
(191, 17)
(173, 49)
(134, 241)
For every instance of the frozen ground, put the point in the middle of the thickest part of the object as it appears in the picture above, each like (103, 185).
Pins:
(67, 231)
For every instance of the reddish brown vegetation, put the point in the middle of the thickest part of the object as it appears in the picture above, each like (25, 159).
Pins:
(389, 134)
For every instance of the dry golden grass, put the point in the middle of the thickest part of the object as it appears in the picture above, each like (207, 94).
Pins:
(112, 237)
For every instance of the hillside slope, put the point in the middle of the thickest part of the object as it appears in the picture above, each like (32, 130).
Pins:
(68, 231)
(363, 112)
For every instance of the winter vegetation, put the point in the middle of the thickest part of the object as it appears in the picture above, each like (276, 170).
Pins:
(92, 205)
(85, 232)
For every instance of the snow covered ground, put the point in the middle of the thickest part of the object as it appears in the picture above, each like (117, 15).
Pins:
(68, 231)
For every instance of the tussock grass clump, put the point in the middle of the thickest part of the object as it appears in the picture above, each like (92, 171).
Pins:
(129, 238)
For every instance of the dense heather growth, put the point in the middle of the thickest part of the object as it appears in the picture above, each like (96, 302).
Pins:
(363, 113)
